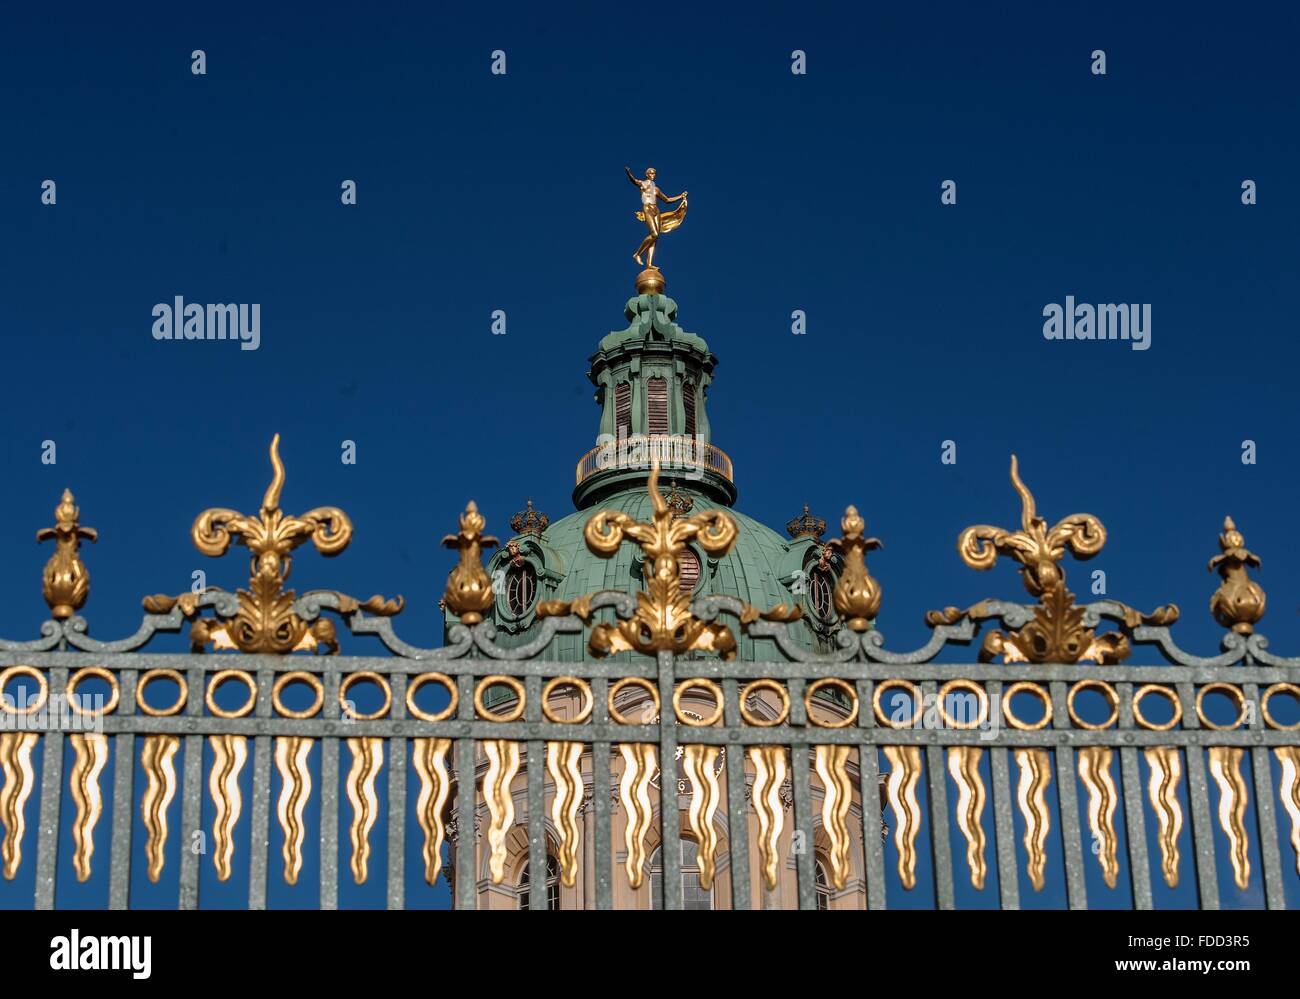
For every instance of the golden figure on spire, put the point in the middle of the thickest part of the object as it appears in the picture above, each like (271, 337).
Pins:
(657, 223)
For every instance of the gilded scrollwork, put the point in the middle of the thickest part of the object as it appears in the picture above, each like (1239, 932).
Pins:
(1057, 632)
(266, 620)
(662, 620)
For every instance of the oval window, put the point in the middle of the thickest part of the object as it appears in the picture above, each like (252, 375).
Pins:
(521, 589)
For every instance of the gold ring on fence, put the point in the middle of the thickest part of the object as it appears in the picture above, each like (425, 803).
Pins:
(917, 701)
(1111, 697)
(631, 681)
(220, 678)
(158, 674)
(1233, 692)
(1156, 688)
(312, 681)
(753, 719)
(349, 709)
(75, 706)
(12, 671)
(840, 685)
(515, 713)
(981, 695)
(1279, 688)
(588, 701)
(698, 683)
(1026, 687)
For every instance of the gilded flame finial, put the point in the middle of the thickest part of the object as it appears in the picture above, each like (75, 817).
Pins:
(1239, 601)
(857, 594)
(469, 588)
(66, 582)
(1057, 633)
(266, 621)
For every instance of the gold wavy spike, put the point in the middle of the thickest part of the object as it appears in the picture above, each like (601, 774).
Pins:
(1225, 767)
(1035, 774)
(837, 794)
(634, 792)
(367, 761)
(503, 765)
(229, 754)
(16, 761)
(1162, 788)
(964, 766)
(1094, 771)
(699, 762)
(564, 763)
(156, 757)
(1288, 757)
(91, 754)
(769, 774)
(295, 790)
(435, 785)
(904, 772)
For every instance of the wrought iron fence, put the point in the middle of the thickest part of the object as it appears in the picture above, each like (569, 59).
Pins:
(958, 721)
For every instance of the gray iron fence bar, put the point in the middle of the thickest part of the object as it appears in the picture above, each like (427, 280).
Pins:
(119, 877)
(869, 793)
(396, 761)
(670, 856)
(1067, 799)
(1135, 827)
(737, 810)
(192, 847)
(940, 838)
(466, 879)
(1004, 828)
(1270, 856)
(805, 859)
(1198, 801)
(329, 803)
(47, 842)
(537, 851)
(193, 850)
(119, 863)
(601, 797)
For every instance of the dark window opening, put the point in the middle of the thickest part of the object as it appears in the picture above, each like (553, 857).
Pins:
(657, 394)
(552, 885)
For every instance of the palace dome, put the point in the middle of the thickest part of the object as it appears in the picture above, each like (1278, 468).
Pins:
(651, 383)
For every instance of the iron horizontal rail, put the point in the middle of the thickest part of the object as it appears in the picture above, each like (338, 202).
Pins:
(324, 728)
(682, 668)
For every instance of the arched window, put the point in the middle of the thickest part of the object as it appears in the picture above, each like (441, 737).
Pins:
(688, 406)
(552, 885)
(689, 564)
(657, 397)
(821, 593)
(623, 410)
(823, 888)
(693, 896)
(521, 589)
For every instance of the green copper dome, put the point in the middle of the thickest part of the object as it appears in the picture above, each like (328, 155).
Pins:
(652, 380)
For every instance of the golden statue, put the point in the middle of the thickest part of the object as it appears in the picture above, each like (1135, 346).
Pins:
(657, 223)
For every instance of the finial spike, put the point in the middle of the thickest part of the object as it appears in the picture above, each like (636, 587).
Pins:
(271, 501)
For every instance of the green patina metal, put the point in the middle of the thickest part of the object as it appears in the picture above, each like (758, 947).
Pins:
(763, 568)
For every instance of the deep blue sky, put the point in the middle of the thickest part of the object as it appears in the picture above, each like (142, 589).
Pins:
(817, 192)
